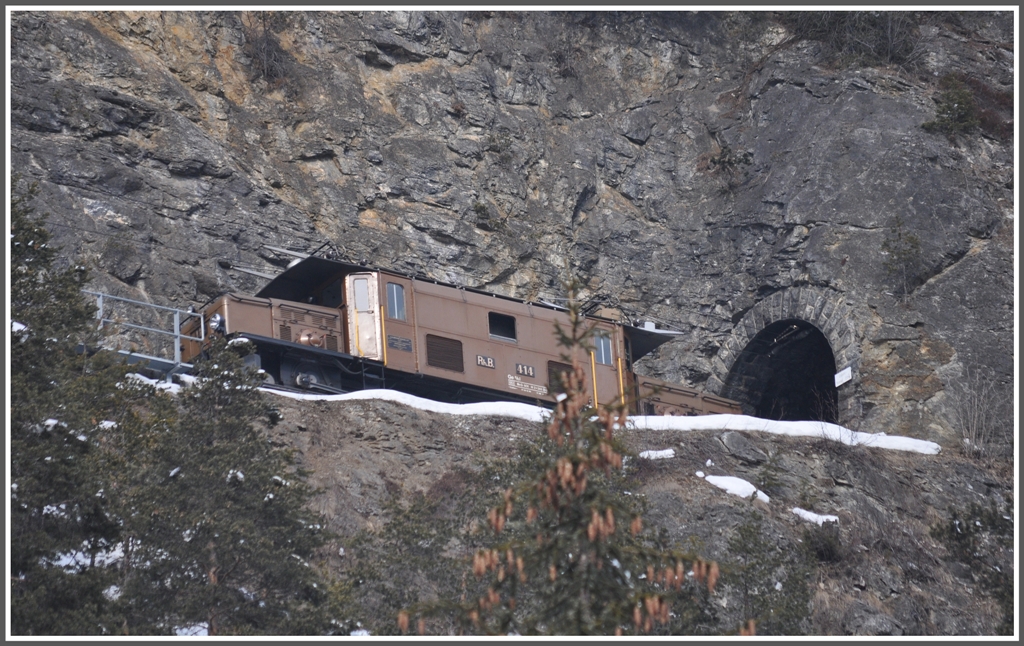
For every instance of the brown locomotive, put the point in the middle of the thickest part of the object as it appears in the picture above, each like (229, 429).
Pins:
(333, 326)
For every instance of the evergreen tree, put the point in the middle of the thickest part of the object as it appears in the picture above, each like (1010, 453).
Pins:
(575, 558)
(219, 532)
(60, 525)
(133, 512)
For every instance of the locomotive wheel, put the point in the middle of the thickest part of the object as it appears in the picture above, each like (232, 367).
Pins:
(305, 373)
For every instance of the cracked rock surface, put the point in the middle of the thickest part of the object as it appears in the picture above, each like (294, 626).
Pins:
(687, 166)
(889, 577)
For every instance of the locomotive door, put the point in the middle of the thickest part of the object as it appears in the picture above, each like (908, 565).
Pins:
(364, 315)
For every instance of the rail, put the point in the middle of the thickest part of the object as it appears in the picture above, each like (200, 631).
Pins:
(176, 314)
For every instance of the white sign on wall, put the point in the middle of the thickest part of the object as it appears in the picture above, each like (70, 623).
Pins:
(844, 375)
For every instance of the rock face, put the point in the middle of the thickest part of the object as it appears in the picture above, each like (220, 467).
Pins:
(702, 170)
(887, 574)
(740, 447)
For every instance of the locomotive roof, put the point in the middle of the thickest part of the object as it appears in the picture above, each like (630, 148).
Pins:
(313, 270)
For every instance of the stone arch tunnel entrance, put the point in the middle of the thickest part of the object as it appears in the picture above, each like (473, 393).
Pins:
(786, 372)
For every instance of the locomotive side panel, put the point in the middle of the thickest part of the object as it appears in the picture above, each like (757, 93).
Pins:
(449, 343)
(238, 313)
(504, 345)
(309, 325)
(480, 340)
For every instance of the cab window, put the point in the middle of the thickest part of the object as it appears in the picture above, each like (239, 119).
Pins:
(361, 288)
(603, 348)
(396, 301)
(501, 326)
(331, 296)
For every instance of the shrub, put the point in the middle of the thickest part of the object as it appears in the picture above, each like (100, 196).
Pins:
(975, 410)
(861, 37)
(729, 160)
(822, 542)
(956, 113)
(994, 107)
(903, 256)
(769, 476)
(262, 46)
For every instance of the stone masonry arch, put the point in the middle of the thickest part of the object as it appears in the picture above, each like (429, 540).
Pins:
(821, 308)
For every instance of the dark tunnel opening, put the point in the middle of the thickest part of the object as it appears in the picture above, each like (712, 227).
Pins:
(786, 372)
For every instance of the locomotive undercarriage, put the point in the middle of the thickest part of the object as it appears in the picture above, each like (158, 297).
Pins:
(300, 368)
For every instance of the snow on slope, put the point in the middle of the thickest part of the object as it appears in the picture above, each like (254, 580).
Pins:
(812, 517)
(736, 486)
(652, 422)
(796, 429)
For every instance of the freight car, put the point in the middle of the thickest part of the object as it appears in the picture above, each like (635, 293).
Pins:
(330, 326)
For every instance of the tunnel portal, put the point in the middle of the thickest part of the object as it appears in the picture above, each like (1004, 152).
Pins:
(786, 372)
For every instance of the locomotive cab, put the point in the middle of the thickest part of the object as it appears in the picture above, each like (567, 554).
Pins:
(301, 321)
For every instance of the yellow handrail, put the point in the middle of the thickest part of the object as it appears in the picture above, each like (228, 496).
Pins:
(593, 376)
(355, 322)
(622, 390)
(384, 334)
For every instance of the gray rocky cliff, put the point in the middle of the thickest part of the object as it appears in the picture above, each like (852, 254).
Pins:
(887, 574)
(703, 170)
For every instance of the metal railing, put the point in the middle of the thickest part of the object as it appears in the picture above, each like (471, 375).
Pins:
(178, 317)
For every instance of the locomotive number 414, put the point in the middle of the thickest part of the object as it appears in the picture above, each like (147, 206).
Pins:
(525, 370)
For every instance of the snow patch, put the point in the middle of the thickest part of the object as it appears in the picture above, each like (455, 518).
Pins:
(812, 517)
(747, 423)
(505, 409)
(824, 430)
(71, 561)
(737, 487)
(658, 455)
(192, 630)
(172, 388)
